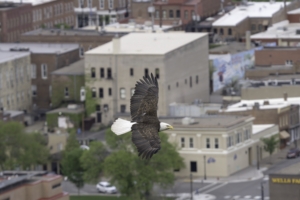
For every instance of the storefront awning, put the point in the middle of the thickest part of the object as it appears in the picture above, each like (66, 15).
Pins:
(284, 135)
(265, 22)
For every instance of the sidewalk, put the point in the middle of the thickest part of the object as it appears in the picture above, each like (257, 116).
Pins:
(248, 174)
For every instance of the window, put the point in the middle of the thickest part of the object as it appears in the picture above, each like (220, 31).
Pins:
(33, 71)
(253, 27)
(177, 84)
(146, 72)
(44, 70)
(131, 71)
(157, 14)
(90, 3)
(94, 92)
(66, 92)
(171, 14)
(288, 62)
(191, 143)
(132, 91)
(207, 143)
(191, 82)
(33, 89)
(98, 107)
(56, 186)
(169, 87)
(101, 95)
(215, 30)
(221, 31)
(122, 93)
(186, 14)
(197, 79)
(102, 74)
(109, 73)
(178, 13)
(193, 166)
(93, 74)
(157, 73)
(105, 107)
(110, 4)
(229, 31)
(81, 52)
(164, 14)
(123, 108)
(216, 143)
(260, 27)
(182, 142)
(238, 138)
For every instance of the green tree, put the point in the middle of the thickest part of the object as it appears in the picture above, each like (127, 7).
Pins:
(270, 144)
(92, 161)
(20, 149)
(135, 177)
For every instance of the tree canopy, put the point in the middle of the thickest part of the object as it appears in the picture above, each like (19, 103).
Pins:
(270, 144)
(20, 149)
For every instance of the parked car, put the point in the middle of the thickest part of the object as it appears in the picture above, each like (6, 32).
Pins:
(106, 188)
(293, 153)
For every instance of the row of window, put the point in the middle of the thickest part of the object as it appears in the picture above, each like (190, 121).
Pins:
(101, 92)
(208, 143)
(44, 71)
(19, 20)
(46, 13)
(13, 36)
(131, 73)
(221, 31)
(13, 99)
(15, 76)
(110, 3)
(185, 81)
(174, 14)
(238, 138)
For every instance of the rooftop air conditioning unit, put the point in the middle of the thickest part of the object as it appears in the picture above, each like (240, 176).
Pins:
(187, 121)
(72, 106)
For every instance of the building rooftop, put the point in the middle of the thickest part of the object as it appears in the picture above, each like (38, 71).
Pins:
(290, 170)
(38, 48)
(251, 10)
(78, 109)
(296, 11)
(246, 107)
(230, 48)
(67, 32)
(130, 27)
(6, 56)
(149, 43)
(33, 2)
(280, 30)
(76, 68)
(6, 5)
(261, 127)
(207, 121)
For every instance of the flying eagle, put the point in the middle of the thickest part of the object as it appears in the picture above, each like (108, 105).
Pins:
(145, 124)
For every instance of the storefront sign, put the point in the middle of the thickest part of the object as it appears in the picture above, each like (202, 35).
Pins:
(286, 180)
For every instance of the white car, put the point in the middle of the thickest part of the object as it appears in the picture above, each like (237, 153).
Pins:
(106, 188)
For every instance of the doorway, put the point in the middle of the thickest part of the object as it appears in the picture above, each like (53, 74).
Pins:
(99, 117)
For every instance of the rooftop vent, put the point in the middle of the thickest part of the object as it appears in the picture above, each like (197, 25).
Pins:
(187, 121)
(19, 49)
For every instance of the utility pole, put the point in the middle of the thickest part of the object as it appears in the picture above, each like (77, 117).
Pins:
(191, 186)
(257, 150)
(262, 191)
(160, 15)
(204, 157)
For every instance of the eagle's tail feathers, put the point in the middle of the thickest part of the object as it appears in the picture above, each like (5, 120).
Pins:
(121, 126)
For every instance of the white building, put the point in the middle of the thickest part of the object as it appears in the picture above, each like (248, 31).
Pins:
(179, 60)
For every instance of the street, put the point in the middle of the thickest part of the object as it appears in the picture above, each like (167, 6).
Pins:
(215, 190)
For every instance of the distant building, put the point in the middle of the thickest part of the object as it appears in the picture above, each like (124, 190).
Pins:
(253, 16)
(178, 60)
(29, 185)
(218, 146)
(44, 59)
(15, 81)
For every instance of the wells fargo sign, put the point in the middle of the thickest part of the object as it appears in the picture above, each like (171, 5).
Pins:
(286, 180)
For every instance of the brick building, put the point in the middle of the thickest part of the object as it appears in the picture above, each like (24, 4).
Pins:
(174, 12)
(15, 19)
(45, 58)
(100, 12)
(86, 39)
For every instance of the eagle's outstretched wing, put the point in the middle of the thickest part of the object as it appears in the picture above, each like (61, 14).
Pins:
(144, 100)
(143, 107)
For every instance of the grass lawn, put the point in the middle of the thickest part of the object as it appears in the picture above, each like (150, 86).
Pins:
(103, 198)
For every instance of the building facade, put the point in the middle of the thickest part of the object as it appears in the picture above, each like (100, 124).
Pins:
(115, 67)
(218, 146)
(15, 81)
(93, 12)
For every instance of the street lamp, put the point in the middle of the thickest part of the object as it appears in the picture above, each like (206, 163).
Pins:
(204, 157)
(191, 186)
(196, 19)
(82, 99)
(257, 150)
(262, 190)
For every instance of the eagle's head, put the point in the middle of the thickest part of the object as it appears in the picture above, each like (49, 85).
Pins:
(165, 126)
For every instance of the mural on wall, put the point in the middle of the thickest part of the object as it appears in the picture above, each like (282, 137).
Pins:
(228, 68)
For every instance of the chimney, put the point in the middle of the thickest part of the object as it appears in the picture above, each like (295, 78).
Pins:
(256, 106)
(116, 44)
(285, 96)
(248, 40)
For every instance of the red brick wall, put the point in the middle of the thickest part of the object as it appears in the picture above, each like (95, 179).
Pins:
(268, 57)
(294, 18)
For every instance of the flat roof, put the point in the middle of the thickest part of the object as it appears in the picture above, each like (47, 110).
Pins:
(250, 107)
(149, 43)
(296, 11)
(66, 32)
(230, 48)
(261, 127)
(128, 28)
(76, 68)
(290, 170)
(251, 10)
(6, 56)
(33, 2)
(40, 48)
(283, 30)
(207, 121)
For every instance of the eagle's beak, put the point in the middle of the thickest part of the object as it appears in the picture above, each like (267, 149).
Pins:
(170, 127)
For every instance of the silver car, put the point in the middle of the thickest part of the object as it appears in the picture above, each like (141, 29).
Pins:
(105, 187)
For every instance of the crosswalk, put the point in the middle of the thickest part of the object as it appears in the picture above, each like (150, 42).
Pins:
(247, 197)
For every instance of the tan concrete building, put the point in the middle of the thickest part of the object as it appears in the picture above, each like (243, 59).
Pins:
(30, 185)
(178, 60)
(218, 146)
(15, 81)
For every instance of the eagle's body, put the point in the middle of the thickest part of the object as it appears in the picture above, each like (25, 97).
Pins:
(145, 124)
